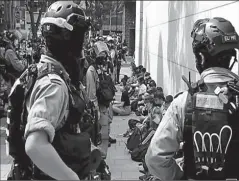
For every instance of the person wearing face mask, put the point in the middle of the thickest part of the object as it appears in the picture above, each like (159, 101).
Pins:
(155, 113)
(112, 58)
(94, 76)
(14, 65)
(53, 144)
(153, 103)
(205, 117)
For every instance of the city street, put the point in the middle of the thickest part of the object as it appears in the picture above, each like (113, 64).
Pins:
(118, 159)
(179, 48)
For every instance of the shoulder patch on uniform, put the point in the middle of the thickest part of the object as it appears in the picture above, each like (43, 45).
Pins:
(179, 93)
(55, 79)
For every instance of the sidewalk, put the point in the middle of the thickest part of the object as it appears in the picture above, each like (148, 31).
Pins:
(118, 158)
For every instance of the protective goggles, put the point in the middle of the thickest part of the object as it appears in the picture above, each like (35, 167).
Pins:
(63, 23)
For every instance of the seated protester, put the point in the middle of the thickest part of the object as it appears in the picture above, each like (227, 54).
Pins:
(155, 113)
(166, 104)
(124, 80)
(141, 87)
(132, 80)
(133, 66)
(147, 78)
(143, 71)
(152, 90)
(124, 108)
(159, 89)
(143, 109)
(135, 87)
(151, 84)
(148, 100)
(140, 67)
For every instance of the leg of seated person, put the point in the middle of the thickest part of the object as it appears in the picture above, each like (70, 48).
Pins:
(142, 118)
(122, 111)
(126, 111)
(117, 105)
(117, 109)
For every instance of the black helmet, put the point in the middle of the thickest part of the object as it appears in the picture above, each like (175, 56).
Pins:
(62, 18)
(214, 35)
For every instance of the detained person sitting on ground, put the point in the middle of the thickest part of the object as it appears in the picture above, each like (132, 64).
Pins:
(147, 78)
(155, 113)
(151, 86)
(141, 90)
(166, 104)
(123, 108)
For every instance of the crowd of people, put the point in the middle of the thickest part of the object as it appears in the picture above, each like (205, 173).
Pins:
(141, 96)
(65, 68)
(117, 50)
(60, 102)
(169, 137)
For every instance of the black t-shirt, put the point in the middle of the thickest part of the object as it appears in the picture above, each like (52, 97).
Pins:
(125, 98)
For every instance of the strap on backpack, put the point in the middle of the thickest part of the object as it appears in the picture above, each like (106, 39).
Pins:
(189, 163)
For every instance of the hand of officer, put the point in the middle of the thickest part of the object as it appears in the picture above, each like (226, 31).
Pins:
(180, 162)
(98, 114)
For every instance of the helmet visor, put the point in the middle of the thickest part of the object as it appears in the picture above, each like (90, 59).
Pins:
(60, 22)
(64, 23)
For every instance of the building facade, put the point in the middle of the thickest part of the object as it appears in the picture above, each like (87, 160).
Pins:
(2, 15)
(112, 23)
(129, 25)
(163, 42)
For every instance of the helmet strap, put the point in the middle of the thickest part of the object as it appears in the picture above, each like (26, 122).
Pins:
(235, 60)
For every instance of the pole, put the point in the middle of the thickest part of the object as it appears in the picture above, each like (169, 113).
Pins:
(116, 16)
(110, 21)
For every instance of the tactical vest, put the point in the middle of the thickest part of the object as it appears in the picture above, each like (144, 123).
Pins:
(74, 148)
(211, 131)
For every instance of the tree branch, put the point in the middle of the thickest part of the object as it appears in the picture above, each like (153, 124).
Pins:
(26, 4)
(39, 16)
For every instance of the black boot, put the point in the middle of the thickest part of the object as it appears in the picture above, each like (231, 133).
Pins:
(111, 140)
(103, 169)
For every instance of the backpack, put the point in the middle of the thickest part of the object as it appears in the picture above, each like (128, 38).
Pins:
(74, 148)
(139, 152)
(137, 136)
(134, 139)
(106, 90)
(209, 120)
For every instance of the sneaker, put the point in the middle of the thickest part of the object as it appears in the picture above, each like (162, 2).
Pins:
(143, 177)
(111, 140)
